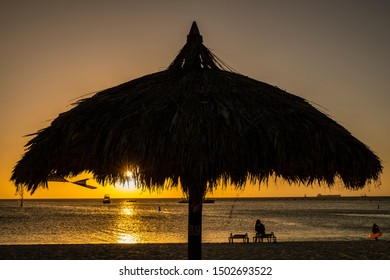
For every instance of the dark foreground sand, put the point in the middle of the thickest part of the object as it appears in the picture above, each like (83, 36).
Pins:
(329, 250)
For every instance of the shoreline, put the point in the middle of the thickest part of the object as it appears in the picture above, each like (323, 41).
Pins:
(212, 197)
(304, 250)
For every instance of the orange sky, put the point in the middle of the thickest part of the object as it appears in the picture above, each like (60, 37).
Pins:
(333, 54)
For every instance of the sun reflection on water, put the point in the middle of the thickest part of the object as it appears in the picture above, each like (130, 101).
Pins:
(127, 211)
(127, 226)
(141, 221)
(127, 238)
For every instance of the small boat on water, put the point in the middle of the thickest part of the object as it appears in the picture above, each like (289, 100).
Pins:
(106, 199)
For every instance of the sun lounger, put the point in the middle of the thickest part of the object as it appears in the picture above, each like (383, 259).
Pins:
(243, 237)
(270, 237)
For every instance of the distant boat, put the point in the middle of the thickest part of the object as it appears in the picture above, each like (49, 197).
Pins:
(328, 195)
(106, 199)
(206, 200)
(131, 200)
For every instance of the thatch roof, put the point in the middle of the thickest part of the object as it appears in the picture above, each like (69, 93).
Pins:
(196, 123)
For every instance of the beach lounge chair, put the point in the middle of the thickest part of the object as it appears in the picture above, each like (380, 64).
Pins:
(270, 237)
(244, 237)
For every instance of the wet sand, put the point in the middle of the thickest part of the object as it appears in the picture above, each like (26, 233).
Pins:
(329, 250)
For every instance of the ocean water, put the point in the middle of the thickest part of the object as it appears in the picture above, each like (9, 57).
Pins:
(165, 220)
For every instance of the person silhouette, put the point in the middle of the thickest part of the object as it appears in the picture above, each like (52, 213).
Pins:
(375, 229)
(259, 227)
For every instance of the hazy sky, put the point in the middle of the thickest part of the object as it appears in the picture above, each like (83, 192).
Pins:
(333, 53)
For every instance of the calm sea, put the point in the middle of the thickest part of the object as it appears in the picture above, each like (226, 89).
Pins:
(165, 220)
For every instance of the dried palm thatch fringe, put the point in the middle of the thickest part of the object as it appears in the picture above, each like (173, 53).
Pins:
(196, 123)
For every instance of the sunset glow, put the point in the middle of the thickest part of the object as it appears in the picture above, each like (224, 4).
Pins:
(52, 57)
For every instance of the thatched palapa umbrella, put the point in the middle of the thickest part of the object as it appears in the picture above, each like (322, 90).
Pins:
(196, 124)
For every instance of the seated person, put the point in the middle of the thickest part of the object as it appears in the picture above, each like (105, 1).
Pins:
(375, 228)
(259, 227)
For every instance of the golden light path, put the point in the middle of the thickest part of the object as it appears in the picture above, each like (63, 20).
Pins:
(126, 233)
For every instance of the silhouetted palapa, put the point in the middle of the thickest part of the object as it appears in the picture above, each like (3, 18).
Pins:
(194, 125)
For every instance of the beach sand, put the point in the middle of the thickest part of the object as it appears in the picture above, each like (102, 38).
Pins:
(327, 250)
